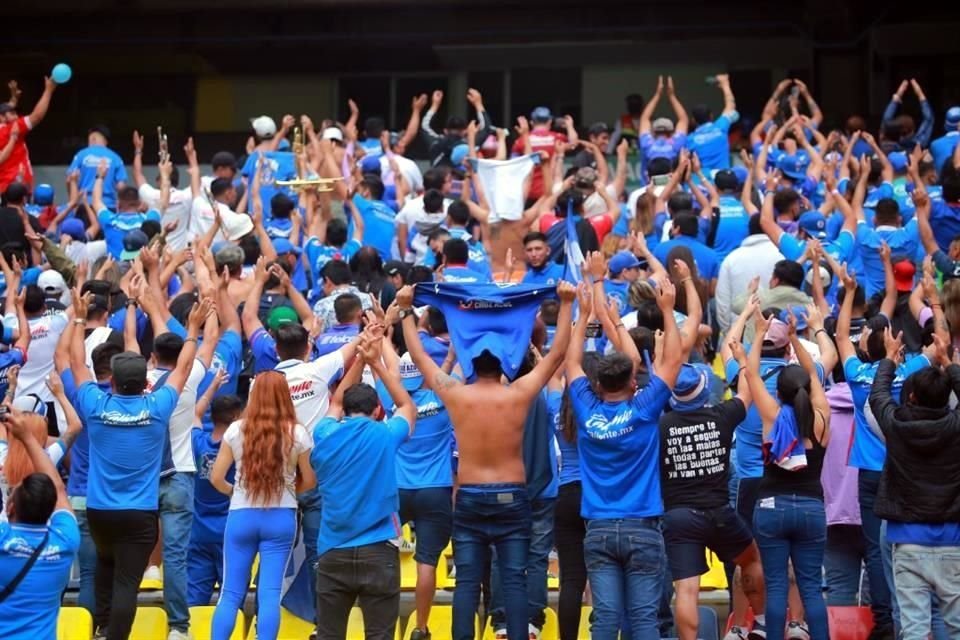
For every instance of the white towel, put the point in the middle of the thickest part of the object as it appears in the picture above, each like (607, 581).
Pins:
(502, 182)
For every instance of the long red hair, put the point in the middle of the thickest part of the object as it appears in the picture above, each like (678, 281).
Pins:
(18, 464)
(267, 427)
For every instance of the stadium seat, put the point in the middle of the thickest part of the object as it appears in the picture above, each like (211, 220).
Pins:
(201, 621)
(449, 581)
(150, 623)
(714, 578)
(850, 623)
(584, 632)
(74, 623)
(408, 572)
(550, 631)
(152, 585)
(709, 628)
(291, 627)
(441, 624)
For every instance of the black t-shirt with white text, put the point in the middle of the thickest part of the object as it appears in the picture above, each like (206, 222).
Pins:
(695, 455)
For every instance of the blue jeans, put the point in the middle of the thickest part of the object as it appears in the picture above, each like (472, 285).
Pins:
(498, 515)
(87, 559)
(541, 542)
(176, 520)
(204, 571)
(842, 560)
(269, 532)
(792, 528)
(936, 620)
(626, 563)
(880, 598)
(924, 574)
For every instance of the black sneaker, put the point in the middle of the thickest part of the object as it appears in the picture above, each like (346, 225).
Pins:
(420, 634)
(313, 634)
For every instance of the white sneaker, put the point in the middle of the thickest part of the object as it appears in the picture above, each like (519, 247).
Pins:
(152, 573)
(406, 546)
(797, 631)
(500, 633)
(179, 635)
(736, 633)
(533, 632)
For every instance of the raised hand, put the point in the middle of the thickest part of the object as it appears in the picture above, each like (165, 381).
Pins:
(405, 297)
(892, 344)
(666, 295)
(595, 265)
(566, 291)
(681, 270)
(436, 99)
(814, 317)
(585, 300)
(199, 314)
(884, 251)
(137, 141)
(736, 348)
(523, 126)
(847, 278)
(419, 102)
(102, 168)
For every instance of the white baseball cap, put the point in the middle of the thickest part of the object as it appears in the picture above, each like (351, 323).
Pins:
(332, 133)
(264, 126)
(235, 225)
(51, 282)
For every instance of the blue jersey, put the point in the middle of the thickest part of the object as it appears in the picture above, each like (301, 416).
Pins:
(127, 438)
(424, 459)
(277, 165)
(117, 225)
(336, 337)
(486, 317)
(711, 144)
(619, 446)
(945, 220)
(903, 243)
(87, 160)
(378, 225)
(619, 290)
(359, 507)
(549, 274)
(706, 258)
(319, 255)
(479, 261)
(80, 451)
(14, 357)
(942, 149)
(733, 227)
(463, 274)
(569, 455)
(264, 348)
(210, 507)
(867, 450)
(661, 147)
(30, 612)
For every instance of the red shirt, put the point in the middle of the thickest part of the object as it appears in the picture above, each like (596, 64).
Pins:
(602, 224)
(18, 164)
(540, 140)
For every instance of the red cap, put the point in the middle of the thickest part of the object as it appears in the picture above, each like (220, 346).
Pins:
(903, 273)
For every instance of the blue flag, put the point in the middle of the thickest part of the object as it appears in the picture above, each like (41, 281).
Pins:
(486, 317)
(571, 249)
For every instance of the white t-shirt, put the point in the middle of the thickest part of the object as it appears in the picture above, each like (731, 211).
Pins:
(91, 251)
(181, 201)
(409, 169)
(413, 215)
(96, 338)
(181, 422)
(310, 385)
(302, 442)
(201, 217)
(44, 333)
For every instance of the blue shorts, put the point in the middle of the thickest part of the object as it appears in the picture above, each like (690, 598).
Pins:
(688, 533)
(431, 511)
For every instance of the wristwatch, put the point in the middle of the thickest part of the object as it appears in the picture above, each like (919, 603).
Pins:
(405, 312)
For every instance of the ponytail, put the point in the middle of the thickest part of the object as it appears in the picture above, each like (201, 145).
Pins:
(803, 410)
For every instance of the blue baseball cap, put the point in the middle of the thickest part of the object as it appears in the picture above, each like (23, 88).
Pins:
(623, 260)
(132, 243)
(741, 173)
(370, 164)
(799, 312)
(814, 223)
(793, 166)
(74, 228)
(43, 194)
(691, 391)
(899, 161)
(953, 118)
(282, 246)
(410, 376)
(541, 114)
(459, 154)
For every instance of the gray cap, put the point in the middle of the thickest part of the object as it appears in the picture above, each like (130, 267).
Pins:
(129, 372)
(229, 256)
(663, 125)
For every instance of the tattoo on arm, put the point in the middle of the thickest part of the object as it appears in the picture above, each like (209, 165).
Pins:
(443, 381)
(69, 438)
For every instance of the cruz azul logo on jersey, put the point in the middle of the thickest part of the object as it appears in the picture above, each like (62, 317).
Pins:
(302, 390)
(472, 304)
(600, 427)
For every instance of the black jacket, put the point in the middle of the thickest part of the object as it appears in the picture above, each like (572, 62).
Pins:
(921, 475)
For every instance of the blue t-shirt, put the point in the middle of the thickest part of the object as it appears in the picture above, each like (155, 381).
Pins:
(117, 225)
(359, 507)
(748, 444)
(378, 225)
(335, 337)
(227, 355)
(569, 456)
(840, 249)
(423, 461)
(30, 613)
(709, 141)
(210, 507)
(945, 220)
(867, 450)
(80, 451)
(661, 147)
(278, 165)
(436, 348)
(550, 273)
(619, 451)
(708, 266)
(941, 534)
(463, 274)
(15, 357)
(942, 149)
(264, 348)
(479, 261)
(733, 227)
(903, 243)
(874, 195)
(619, 290)
(87, 160)
(320, 254)
(127, 437)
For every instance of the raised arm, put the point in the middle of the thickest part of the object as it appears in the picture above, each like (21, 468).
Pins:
(767, 221)
(43, 104)
(352, 377)
(17, 428)
(683, 120)
(689, 332)
(434, 376)
(198, 315)
(816, 115)
(251, 321)
(193, 168)
(390, 376)
(574, 357)
(138, 178)
(766, 404)
(881, 156)
(78, 356)
(729, 101)
(647, 114)
(889, 302)
(669, 366)
(98, 204)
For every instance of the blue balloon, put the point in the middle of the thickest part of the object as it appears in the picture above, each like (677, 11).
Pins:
(61, 73)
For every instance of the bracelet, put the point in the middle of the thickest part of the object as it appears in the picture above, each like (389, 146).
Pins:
(131, 302)
(79, 321)
(936, 304)
(194, 340)
(819, 331)
(621, 326)
(684, 281)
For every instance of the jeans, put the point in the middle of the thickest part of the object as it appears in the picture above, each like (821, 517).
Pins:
(842, 561)
(920, 573)
(792, 528)
(370, 574)
(498, 515)
(880, 599)
(125, 540)
(626, 563)
(309, 504)
(936, 621)
(176, 520)
(569, 530)
(204, 571)
(87, 559)
(538, 560)
(269, 532)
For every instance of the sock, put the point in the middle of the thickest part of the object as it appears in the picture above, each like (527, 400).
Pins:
(761, 619)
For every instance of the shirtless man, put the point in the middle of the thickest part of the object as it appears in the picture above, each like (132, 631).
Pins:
(491, 503)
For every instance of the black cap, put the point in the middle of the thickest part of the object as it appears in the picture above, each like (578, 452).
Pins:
(102, 129)
(16, 192)
(395, 267)
(223, 159)
(129, 372)
(99, 303)
(598, 128)
(6, 107)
